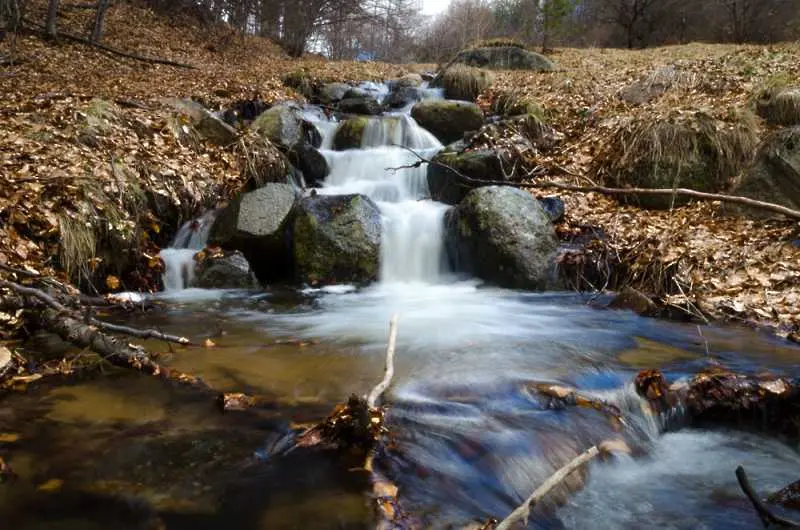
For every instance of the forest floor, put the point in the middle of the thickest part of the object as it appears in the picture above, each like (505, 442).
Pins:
(87, 134)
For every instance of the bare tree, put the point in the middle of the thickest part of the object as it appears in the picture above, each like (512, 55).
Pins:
(52, 15)
(99, 19)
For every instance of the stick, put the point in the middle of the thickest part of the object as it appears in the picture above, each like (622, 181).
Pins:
(381, 387)
(523, 511)
(768, 519)
(735, 199)
(113, 51)
(106, 326)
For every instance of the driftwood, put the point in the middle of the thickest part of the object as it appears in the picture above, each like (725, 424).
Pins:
(114, 51)
(768, 519)
(684, 192)
(380, 388)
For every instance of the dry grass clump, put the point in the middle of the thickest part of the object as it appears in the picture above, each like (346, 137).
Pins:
(509, 104)
(686, 149)
(78, 245)
(260, 162)
(498, 42)
(778, 101)
(465, 82)
(657, 82)
(302, 82)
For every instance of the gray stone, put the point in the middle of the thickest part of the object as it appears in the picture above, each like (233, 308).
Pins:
(445, 171)
(402, 96)
(208, 126)
(282, 125)
(257, 224)
(774, 176)
(364, 105)
(337, 239)
(448, 120)
(310, 161)
(333, 92)
(502, 235)
(229, 270)
(505, 58)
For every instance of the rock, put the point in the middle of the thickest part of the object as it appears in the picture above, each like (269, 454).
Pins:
(409, 80)
(402, 96)
(225, 270)
(333, 92)
(780, 106)
(774, 176)
(281, 125)
(505, 58)
(362, 104)
(208, 126)
(257, 224)
(310, 161)
(636, 301)
(337, 239)
(244, 111)
(503, 236)
(448, 120)
(447, 186)
(464, 82)
(350, 133)
(554, 208)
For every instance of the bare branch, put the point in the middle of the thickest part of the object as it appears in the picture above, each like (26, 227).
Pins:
(768, 519)
(381, 387)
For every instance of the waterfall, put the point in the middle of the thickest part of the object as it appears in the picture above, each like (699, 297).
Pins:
(412, 247)
(179, 256)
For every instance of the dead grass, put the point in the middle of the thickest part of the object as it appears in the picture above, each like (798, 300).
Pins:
(260, 161)
(509, 104)
(465, 82)
(78, 245)
(498, 42)
(778, 100)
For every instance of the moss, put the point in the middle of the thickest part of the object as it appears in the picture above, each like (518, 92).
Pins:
(499, 42)
(509, 104)
(302, 82)
(350, 134)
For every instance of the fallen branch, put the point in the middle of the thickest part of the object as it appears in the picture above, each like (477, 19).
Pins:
(768, 519)
(685, 192)
(381, 387)
(106, 326)
(113, 51)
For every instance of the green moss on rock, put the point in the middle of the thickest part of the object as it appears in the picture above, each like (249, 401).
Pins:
(350, 134)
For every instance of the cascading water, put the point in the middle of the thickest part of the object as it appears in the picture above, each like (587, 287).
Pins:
(412, 244)
(179, 256)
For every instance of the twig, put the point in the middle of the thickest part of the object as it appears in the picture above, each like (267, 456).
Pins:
(113, 51)
(523, 511)
(701, 195)
(768, 519)
(105, 326)
(381, 387)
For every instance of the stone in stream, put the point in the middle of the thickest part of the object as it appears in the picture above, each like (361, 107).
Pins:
(449, 187)
(257, 224)
(333, 92)
(505, 58)
(311, 162)
(284, 126)
(337, 239)
(362, 105)
(225, 270)
(774, 177)
(350, 133)
(448, 120)
(402, 96)
(502, 235)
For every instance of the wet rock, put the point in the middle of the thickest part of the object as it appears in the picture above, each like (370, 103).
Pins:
(636, 301)
(503, 236)
(505, 58)
(333, 92)
(257, 224)
(350, 133)
(554, 208)
(225, 270)
(402, 96)
(337, 239)
(448, 186)
(310, 161)
(448, 120)
(362, 105)
(774, 177)
(409, 80)
(281, 125)
(244, 111)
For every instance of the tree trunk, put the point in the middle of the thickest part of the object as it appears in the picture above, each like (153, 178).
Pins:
(99, 19)
(52, 14)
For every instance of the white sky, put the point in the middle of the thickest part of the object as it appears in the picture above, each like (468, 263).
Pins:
(431, 7)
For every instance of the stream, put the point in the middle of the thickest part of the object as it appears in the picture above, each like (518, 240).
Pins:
(112, 451)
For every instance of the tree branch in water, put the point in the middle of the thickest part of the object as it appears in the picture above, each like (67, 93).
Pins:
(768, 519)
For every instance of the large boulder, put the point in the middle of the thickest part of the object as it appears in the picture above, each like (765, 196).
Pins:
(502, 235)
(257, 224)
(350, 133)
(505, 58)
(402, 96)
(284, 126)
(447, 170)
(223, 270)
(448, 120)
(359, 103)
(337, 239)
(774, 176)
(464, 82)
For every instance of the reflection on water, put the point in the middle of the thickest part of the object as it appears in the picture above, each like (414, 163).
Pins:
(471, 441)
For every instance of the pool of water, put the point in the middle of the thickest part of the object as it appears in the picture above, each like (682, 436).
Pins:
(121, 450)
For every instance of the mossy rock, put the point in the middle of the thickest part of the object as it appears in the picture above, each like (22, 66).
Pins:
(508, 104)
(780, 106)
(301, 81)
(282, 125)
(350, 134)
(447, 186)
(336, 239)
(505, 58)
(448, 120)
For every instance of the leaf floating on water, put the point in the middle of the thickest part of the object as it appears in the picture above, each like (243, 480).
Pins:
(54, 484)
(208, 343)
(8, 438)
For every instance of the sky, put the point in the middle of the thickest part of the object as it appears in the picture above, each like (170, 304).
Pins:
(431, 7)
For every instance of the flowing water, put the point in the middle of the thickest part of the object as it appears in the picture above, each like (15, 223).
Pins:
(472, 440)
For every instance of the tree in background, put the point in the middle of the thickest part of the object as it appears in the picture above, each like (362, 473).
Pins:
(553, 15)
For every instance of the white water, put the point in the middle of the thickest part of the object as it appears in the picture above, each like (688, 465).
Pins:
(179, 257)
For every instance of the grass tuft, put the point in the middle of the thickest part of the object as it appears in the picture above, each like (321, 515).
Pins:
(465, 83)
(509, 104)
(498, 42)
(778, 101)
